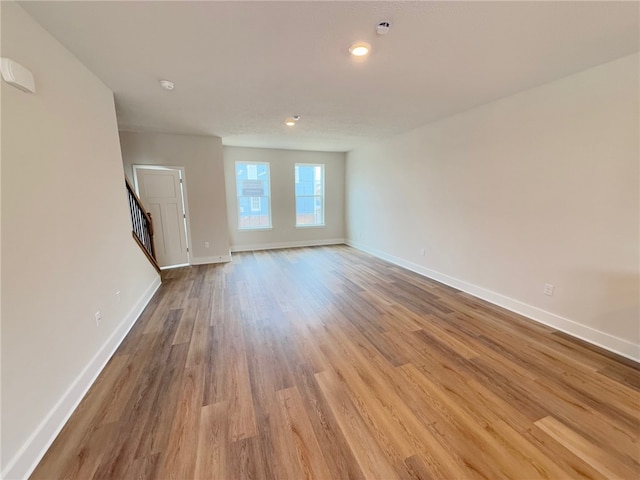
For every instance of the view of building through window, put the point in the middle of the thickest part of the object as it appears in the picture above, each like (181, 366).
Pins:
(253, 189)
(309, 195)
(254, 194)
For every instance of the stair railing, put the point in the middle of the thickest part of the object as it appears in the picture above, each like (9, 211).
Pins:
(142, 225)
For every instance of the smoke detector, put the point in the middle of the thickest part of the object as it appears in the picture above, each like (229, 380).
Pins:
(383, 28)
(167, 85)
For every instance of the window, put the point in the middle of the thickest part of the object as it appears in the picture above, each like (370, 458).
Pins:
(254, 193)
(309, 195)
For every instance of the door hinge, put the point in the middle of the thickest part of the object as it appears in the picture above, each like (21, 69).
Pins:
(184, 215)
(187, 249)
(180, 180)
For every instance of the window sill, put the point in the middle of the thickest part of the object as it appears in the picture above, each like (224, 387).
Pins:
(311, 226)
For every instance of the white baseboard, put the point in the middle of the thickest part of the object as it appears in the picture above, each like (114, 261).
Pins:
(207, 260)
(601, 339)
(275, 246)
(34, 448)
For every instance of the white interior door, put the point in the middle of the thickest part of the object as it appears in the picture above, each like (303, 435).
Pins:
(161, 194)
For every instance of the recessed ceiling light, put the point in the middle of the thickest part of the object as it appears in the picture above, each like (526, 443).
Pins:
(359, 49)
(167, 85)
(291, 121)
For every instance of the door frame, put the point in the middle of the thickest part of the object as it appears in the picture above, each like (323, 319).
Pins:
(135, 167)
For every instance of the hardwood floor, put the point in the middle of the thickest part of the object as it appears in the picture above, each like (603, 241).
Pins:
(327, 363)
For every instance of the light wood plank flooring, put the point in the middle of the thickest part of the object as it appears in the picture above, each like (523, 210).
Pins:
(327, 363)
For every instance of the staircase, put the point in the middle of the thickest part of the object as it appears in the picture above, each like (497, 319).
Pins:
(142, 226)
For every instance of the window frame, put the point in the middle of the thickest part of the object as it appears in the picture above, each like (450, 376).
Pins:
(322, 196)
(256, 204)
(239, 195)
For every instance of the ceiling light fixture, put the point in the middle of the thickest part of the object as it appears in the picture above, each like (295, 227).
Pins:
(167, 85)
(359, 49)
(291, 121)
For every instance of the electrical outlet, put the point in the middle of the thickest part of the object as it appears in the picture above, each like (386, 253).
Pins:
(422, 251)
(98, 318)
(118, 296)
(548, 289)
(206, 244)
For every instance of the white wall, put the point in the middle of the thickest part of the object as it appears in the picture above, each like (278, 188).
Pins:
(66, 241)
(283, 219)
(201, 157)
(540, 187)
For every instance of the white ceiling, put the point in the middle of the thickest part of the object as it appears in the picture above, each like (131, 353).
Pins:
(241, 68)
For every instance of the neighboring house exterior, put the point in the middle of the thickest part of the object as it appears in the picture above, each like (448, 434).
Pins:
(254, 191)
